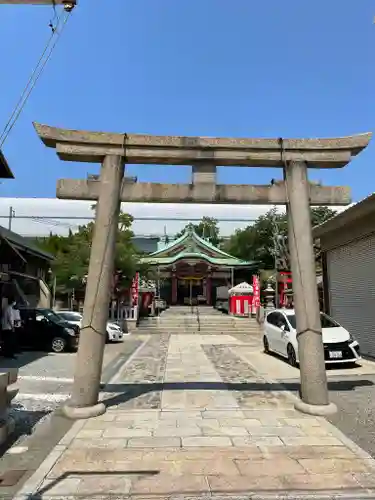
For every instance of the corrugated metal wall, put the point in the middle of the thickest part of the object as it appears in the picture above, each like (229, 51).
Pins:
(351, 275)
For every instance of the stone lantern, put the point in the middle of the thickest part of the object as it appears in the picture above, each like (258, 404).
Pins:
(270, 297)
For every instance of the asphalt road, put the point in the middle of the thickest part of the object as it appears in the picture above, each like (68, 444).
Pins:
(44, 382)
(355, 400)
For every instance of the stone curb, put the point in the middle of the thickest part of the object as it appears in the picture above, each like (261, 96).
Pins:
(28, 489)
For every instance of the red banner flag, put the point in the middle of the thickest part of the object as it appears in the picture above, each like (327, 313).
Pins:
(135, 289)
(256, 291)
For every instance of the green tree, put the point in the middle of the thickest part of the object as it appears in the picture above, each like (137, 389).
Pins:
(259, 241)
(72, 255)
(207, 228)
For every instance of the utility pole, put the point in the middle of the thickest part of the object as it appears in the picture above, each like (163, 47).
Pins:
(12, 214)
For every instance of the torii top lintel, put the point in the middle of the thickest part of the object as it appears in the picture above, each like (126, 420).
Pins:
(85, 146)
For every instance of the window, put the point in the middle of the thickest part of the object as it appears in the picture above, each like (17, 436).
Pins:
(27, 315)
(283, 322)
(326, 321)
(50, 315)
(273, 318)
(292, 320)
(70, 316)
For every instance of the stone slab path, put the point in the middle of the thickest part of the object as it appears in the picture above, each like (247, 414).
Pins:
(189, 415)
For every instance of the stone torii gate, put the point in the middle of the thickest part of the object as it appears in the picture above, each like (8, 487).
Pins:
(113, 150)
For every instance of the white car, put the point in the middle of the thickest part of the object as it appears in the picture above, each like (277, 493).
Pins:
(280, 336)
(114, 332)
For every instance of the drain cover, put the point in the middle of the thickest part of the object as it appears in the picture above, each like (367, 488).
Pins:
(11, 477)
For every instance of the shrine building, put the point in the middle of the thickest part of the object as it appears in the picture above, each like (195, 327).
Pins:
(191, 268)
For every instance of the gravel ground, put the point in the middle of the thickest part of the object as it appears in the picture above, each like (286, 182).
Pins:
(356, 410)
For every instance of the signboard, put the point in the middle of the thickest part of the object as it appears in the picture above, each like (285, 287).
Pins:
(135, 289)
(256, 291)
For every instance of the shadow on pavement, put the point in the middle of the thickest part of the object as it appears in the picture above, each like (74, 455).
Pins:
(23, 359)
(78, 473)
(25, 422)
(126, 392)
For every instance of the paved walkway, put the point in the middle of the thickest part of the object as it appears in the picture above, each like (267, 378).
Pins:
(189, 415)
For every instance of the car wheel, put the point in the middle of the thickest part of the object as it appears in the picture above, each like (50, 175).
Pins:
(266, 346)
(292, 359)
(58, 344)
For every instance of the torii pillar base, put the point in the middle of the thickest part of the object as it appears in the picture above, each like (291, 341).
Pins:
(317, 410)
(76, 413)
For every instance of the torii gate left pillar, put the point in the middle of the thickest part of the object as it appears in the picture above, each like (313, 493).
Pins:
(84, 401)
(111, 150)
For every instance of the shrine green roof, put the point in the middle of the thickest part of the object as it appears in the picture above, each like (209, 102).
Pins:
(192, 246)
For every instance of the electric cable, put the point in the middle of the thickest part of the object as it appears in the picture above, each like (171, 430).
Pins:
(36, 74)
(31, 76)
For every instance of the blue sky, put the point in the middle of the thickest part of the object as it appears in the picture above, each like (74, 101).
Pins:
(191, 67)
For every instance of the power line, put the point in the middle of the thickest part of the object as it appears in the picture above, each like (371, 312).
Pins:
(177, 219)
(35, 75)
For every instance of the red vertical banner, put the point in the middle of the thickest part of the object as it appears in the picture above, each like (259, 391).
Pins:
(135, 289)
(285, 301)
(256, 292)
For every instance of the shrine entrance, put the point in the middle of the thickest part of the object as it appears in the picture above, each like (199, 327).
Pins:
(292, 156)
(191, 290)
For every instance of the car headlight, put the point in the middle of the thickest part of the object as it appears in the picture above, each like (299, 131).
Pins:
(70, 331)
(351, 338)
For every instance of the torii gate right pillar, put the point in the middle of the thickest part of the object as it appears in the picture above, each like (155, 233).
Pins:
(313, 376)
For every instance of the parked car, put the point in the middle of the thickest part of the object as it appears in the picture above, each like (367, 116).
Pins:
(114, 332)
(42, 329)
(280, 336)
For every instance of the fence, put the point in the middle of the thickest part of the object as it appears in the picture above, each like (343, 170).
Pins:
(121, 313)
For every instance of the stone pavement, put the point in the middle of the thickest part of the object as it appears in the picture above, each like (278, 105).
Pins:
(188, 415)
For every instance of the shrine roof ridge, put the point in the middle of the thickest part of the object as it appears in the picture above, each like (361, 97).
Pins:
(190, 233)
(221, 258)
(51, 136)
(223, 262)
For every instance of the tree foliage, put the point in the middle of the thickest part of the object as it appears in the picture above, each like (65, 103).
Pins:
(207, 228)
(258, 241)
(72, 255)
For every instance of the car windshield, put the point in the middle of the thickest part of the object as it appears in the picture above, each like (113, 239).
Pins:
(70, 316)
(50, 315)
(325, 320)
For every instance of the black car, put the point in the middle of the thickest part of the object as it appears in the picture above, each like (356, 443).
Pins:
(43, 329)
